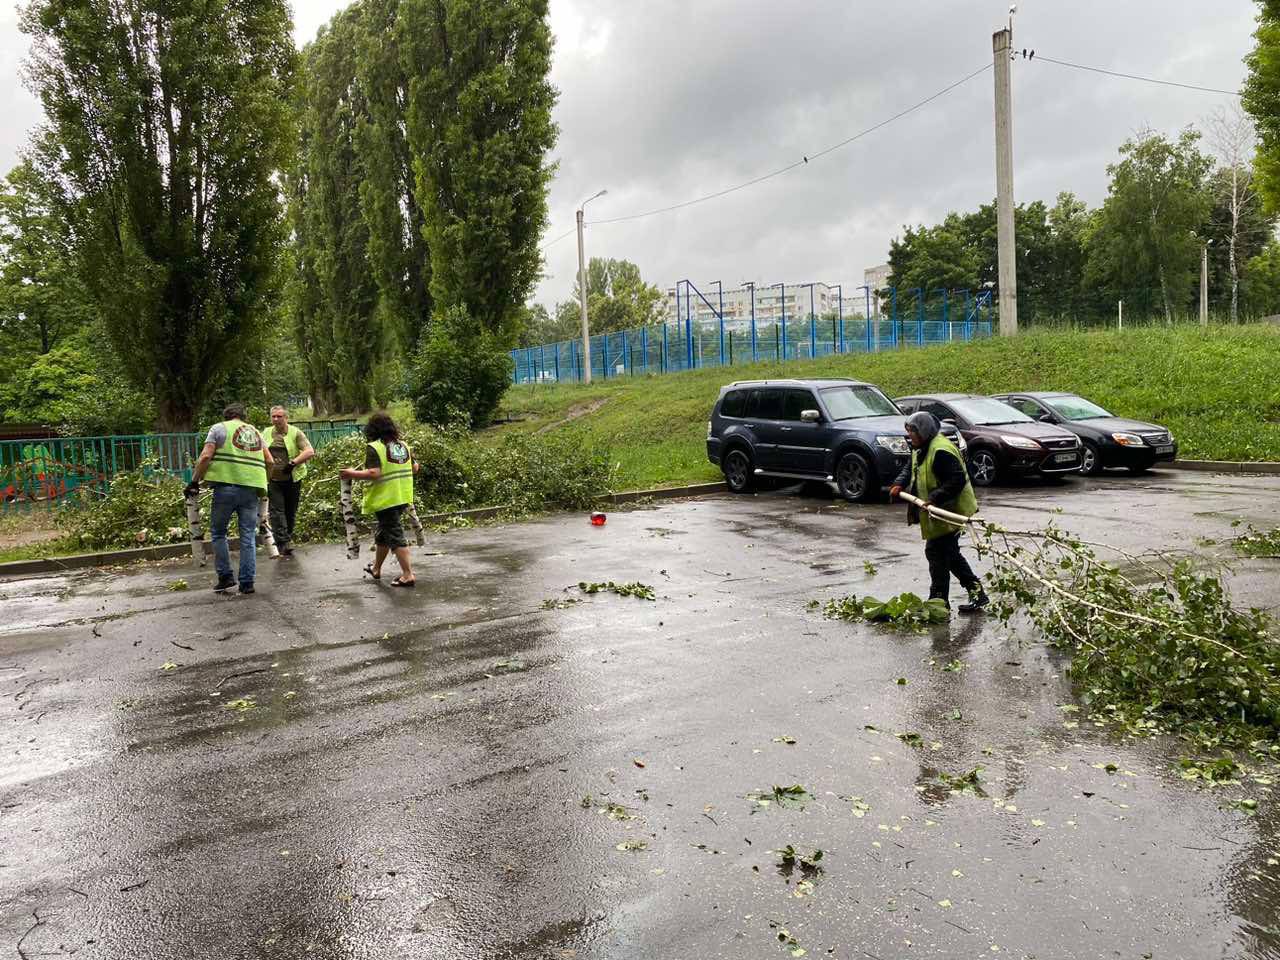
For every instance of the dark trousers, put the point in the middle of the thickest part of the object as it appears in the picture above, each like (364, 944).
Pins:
(945, 559)
(284, 495)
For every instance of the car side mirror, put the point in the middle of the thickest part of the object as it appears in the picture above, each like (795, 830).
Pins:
(810, 416)
(1045, 418)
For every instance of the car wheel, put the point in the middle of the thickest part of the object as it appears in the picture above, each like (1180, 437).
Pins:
(1090, 460)
(737, 471)
(983, 468)
(854, 478)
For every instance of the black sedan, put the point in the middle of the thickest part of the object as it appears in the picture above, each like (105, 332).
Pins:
(1002, 441)
(1109, 441)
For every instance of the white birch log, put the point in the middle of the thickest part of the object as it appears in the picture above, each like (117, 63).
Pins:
(349, 521)
(264, 527)
(197, 532)
(419, 533)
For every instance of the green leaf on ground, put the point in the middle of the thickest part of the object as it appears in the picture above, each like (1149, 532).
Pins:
(641, 591)
(794, 796)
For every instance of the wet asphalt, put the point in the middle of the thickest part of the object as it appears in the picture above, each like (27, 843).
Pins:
(335, 769)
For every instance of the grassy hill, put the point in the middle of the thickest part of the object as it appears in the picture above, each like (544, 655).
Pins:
(1217, 389)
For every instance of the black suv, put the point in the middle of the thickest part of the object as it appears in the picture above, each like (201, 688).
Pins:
(838, 431)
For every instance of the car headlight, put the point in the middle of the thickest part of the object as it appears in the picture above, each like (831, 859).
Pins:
(1128, 439)
(1022, 443)
(898, 446)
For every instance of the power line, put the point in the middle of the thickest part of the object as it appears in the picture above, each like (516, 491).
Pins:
(1134, 76)
(551, 243)
(798, 163)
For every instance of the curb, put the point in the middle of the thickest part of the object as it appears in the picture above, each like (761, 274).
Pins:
(669, 493)
(168, 551)
(1261, 467)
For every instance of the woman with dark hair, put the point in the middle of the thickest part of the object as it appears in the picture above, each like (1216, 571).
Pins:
(389, 468)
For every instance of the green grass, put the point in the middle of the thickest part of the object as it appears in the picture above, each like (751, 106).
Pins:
(1218, 390)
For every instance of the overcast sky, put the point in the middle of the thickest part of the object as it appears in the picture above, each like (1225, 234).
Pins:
(662, 101)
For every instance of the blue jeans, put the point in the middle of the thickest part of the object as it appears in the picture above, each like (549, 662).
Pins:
(228, 499)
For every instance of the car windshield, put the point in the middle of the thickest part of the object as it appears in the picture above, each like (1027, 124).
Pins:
(1076, 408)
(851, 402)
(983, 411)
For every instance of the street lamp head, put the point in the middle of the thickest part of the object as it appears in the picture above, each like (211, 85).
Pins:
(592, 197)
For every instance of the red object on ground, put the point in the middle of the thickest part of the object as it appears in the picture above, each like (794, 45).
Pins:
(598, 519)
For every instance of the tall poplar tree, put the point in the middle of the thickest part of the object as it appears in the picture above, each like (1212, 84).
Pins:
(171, 122)
(397, 251)
(480, 129)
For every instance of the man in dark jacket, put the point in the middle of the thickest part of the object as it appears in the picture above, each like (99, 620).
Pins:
(937, 475)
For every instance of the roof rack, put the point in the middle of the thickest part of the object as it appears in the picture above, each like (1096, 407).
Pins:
(743, 383)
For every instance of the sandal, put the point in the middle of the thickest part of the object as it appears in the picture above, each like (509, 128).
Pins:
(368, 568)
(397, 582)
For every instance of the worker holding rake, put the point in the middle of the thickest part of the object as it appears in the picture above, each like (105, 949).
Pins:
(937, 476)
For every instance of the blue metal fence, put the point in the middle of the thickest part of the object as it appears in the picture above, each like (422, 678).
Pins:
(692, 341)
(46, 471)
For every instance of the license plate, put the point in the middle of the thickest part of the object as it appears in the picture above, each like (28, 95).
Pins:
(1167, 448)
(1065, 458)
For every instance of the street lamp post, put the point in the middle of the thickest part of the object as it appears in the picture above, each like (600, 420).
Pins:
(582, 291)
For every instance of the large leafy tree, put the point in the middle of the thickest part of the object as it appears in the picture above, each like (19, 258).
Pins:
(926, 259)
(1239, 228)
(41, 297)
(335, 292)
(1150, 227)
(1262, 100)
(480, 128)
(397, 245)
(171, 122)
(617, 299)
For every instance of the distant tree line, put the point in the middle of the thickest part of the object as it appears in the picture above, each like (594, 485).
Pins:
(1166, 200)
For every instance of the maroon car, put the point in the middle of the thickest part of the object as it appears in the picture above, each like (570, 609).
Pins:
(1003, 442)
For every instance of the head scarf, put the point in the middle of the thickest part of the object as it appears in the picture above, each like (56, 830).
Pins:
(925, 424)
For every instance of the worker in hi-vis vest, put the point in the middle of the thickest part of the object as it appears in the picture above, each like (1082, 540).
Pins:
(389, 468)
(235, 462)
(937, 475)
(290, 450)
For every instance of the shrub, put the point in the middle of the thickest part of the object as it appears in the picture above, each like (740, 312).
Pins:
(458, 472)
(460, 372)
(145, 506)
(526, 473)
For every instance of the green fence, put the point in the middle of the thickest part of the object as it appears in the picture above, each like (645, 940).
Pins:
(36, 473)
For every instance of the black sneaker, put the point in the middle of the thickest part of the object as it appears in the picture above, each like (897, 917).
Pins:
(224, 584)
(247, 588)
(977, 603)
(286, 553)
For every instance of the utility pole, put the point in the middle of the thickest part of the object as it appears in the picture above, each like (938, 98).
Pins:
(1204, 284)
(582, 292)
(1001, 44)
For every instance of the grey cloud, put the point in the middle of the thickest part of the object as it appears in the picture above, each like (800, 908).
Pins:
(684, 98)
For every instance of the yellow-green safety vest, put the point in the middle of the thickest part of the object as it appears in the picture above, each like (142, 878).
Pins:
(394, 486)
(924, 483)
(292, 444)
(241, 459)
